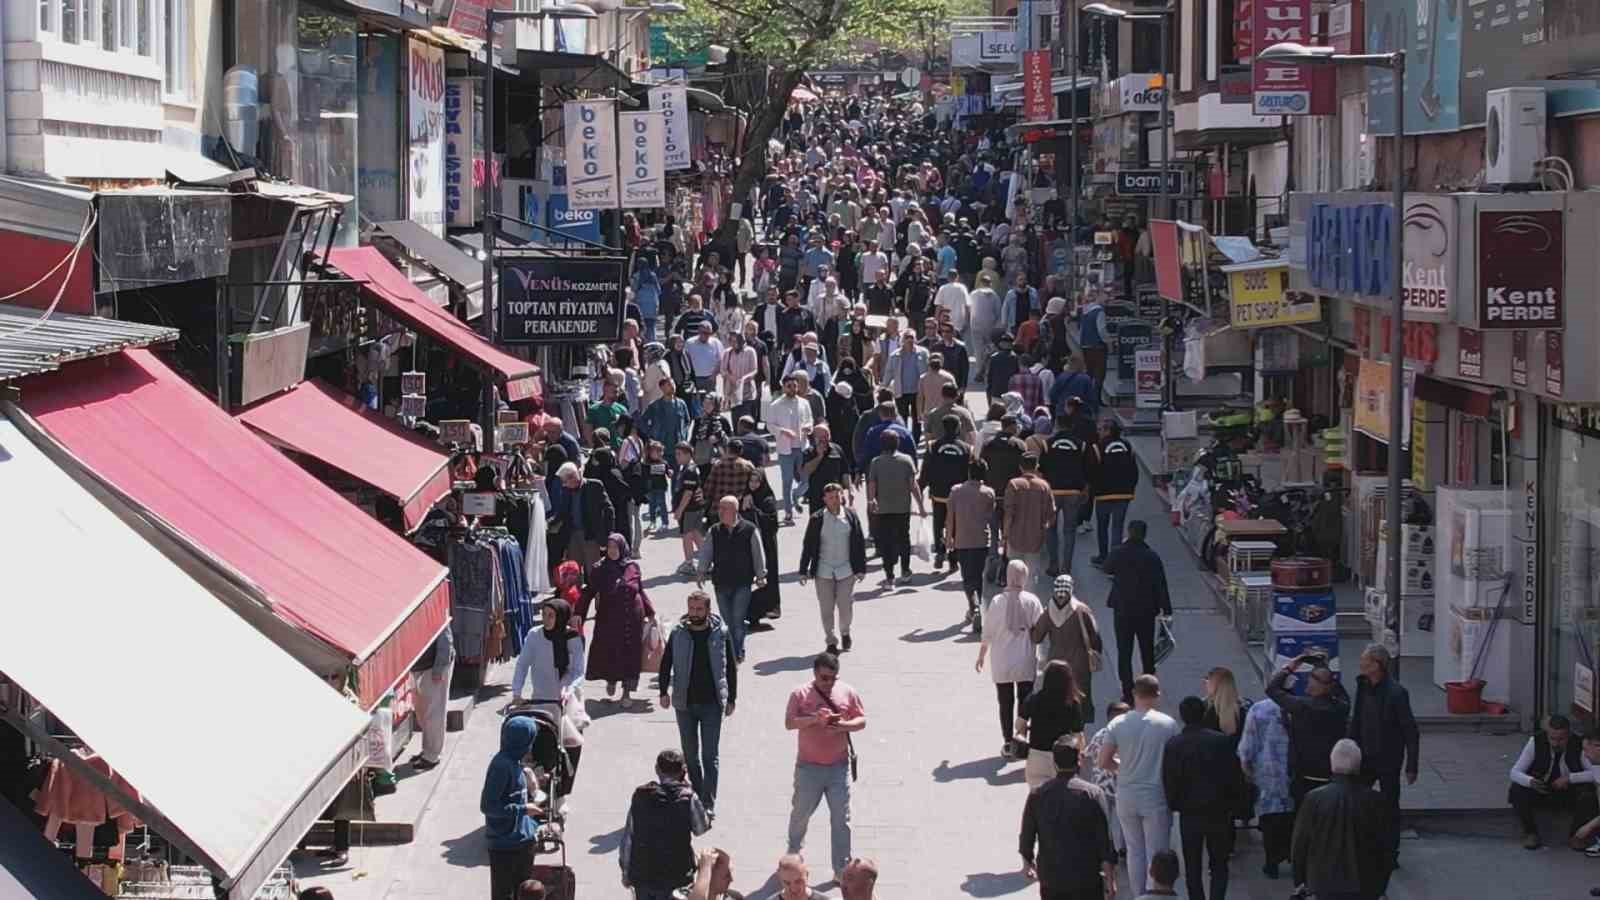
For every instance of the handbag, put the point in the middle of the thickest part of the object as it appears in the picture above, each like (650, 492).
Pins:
(1165, 642)
(850, 746)
(1096, 661)
(652, 647)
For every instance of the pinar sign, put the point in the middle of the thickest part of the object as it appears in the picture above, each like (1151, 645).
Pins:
(1521, 269)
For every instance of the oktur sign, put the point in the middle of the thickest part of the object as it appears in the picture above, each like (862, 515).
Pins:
(591, 154)
(644, 177)
(1279, 89)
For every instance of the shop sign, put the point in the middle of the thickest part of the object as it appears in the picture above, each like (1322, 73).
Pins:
(1530, 548)
(567, 224)
(1137, 93)
(1132, 336)
(1372, 400)
(477, 503)
(1519, 358)
(426, 104)
(1344, 26)
(1582, 689)
(1469, 353)
(1260, 299)
(1147, 182)
(1147, 379)
(455, 431)
(1233, 84)
(672, 101)
(463, 152)
(1420, 340)
(414, 406)
(986, 48)
(1038, 103)
(644, 174)
(1278, 89)
(1555, 366)
(550, 300)
(1520, 269)
(591, 154)
(413, 382)
(1350, 251)
(1149, 303)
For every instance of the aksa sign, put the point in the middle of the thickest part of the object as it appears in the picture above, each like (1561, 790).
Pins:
(1520, 269)
(552, 301)
(1134, 94)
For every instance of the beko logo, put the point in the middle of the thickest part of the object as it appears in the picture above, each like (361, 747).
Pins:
(571, 216)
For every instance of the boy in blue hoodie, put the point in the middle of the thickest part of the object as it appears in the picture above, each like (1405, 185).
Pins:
(508, 813)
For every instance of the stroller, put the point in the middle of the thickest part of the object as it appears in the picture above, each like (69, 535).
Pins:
(560, 764)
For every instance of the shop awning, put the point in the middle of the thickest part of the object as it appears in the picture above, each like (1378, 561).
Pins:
(573, 70)
(323, 579)
(391, 289)
(33, 869)
(325, 423)
(168, 686)
(436, 252)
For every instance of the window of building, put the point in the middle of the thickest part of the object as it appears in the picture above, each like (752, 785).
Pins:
(177, 49)
(111, 25)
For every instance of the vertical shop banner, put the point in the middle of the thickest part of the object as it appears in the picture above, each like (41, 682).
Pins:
(672, 102)
(1169, 269)
(1555, 364)
(1429, 267)
(1519, 358)
(1521, 271)
(1469, 353)
(463, 151)
(426, 172)
(591, 154)
(1038, 103)
(1147, 379)
(1278, 89)
(381, 162)
(644, 173)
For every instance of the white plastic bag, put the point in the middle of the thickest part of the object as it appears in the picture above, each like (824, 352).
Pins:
(922, 540)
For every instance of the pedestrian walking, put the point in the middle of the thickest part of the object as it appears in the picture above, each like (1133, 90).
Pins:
(824, 463)
(1317, 721)
(825, 712)
(891, 489)
(860, 880)
(700, 650)
(1138, 596)
(1065, 464)
(713, 877)
(1205, 787)
(591, 516)
(1342, 847)
(760, 507)
(1264, 758)
(1002, 455)
(431, 673)
(1051, 714)
(621, 611)
(1134, 749)
(834, 553)
(1225, 709)
(1008, 644)
(1065, 817)
(510, 818)
(1116, 478)
(1029, 508)
(664, 816)
(1383, 727)
(1069, 630)
(737, 562)
(788, 418)
(945, 466)
(688, 506)
(1105, 779)
(552, 659)
(794, 879)
(970, 512)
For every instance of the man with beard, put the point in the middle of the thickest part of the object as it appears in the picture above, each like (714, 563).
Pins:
(700, 650)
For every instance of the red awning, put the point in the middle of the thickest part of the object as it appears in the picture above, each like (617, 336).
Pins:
(323, 567)
(391, 289)
(321, 422)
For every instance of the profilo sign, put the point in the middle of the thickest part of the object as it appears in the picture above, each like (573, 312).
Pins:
(551, 301)
(1521, 269)
(591, 154)
(672, 102)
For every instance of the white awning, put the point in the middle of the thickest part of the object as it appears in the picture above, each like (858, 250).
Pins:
(233, 746)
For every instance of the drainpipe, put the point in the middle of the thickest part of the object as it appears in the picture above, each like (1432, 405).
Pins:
(5, 139)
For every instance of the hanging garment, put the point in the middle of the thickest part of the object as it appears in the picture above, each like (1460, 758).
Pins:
(472, 566)
(67, 798)
(519, 606)
(536, 561)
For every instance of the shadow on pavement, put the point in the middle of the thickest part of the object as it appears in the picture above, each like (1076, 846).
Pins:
(602, 844)
(988, 769)
(783, 664)
(993, 884)
(669, 578)
(468, 851)
(918, 636)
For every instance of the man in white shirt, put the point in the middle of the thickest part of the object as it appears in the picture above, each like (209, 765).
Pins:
(1135, 747)
(705, 356)
(1553, 771)
(872, 261)
(739, 367)
(953, 297)
(789, 419)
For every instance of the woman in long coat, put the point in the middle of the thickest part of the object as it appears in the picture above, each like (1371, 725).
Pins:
(760, 506)
(1068, 624)
(621, 610)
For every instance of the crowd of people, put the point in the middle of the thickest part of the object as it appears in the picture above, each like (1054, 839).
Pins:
(890, 284)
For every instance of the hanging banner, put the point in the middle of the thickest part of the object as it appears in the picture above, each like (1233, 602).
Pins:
(548, 300)
(426, 171)
(1169, 269)
(1520, 269)
(1038, 103)
(591, 154)
(1278, 89)
(1555, 364)
(1519, 358)
(672, 102)
(1147, 378)
(1372, 401)
(463, 151)
(644, 174)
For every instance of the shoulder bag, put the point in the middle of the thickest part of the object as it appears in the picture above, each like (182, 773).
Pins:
(1096, 661)
(849, 744)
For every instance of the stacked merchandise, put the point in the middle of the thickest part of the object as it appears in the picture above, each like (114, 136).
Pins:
(490, 607)
(1414, 635)
(1304, 616)
(158, 881)
(1473, 569)
(1250, 587)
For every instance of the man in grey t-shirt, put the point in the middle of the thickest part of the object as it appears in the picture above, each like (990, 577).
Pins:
(891, 487)
(1136, 744)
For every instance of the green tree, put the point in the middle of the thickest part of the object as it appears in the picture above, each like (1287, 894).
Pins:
(772, 43)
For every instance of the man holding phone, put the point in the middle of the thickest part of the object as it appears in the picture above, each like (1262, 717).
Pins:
(824, 712)
(1552, 771)
(1316, 721)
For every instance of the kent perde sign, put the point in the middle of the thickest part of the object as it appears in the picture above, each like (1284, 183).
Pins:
(1350, 250)
(1279, 89)
(1520, 269)
(1147, 182)
(552, 301)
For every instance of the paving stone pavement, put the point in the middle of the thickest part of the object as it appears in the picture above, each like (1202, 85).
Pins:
(935, 805)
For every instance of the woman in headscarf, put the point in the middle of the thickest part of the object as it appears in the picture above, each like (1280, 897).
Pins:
(760, 506)
(858, 377)
(842, 417)
(1053, 711)
(551, 661)
(1008, 644)
(1068, 624)
(621, 611)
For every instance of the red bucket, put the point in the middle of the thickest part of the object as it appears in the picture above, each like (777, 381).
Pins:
(1464, 698)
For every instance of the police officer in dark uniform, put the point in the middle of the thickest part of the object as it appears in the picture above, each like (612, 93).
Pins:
(1065, 464)
(944, 467)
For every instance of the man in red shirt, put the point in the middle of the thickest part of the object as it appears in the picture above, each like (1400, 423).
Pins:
(824, 712)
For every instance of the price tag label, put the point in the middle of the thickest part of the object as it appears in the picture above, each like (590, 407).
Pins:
(455, 431)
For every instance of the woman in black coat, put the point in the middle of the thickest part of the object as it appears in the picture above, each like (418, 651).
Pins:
(760, 506)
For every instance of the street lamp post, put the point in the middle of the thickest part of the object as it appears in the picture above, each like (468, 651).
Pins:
(1395, 61)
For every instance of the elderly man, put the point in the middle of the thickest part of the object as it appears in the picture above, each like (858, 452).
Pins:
(1383, 727)
(733, 556)
(903, 375)
(1342, 835)
(1552, 772)
(1316, 721)
(590, 518)
(705, 361)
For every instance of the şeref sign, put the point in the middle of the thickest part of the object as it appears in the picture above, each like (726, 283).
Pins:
(550, 301)
(1520, 269)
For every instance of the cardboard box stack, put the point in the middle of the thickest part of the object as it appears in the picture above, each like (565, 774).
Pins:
(1418, 549)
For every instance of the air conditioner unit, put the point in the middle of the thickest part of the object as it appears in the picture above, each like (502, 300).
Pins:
(1514, 136)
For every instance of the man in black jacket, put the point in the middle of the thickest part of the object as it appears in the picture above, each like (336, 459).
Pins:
(1205, 786)
(1065, 465)
(1116, 477)
(1382, 726)
(1003, 457)
(1552, 771)
(1341, 834)
(944, 467)
(663, 816)
(733, 555)
(1003, 364)
(1066, 817)
(1138, 595)
(593, 516)
(1316, 722)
